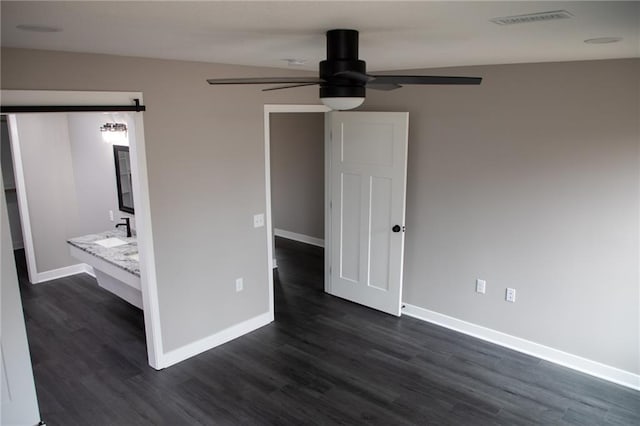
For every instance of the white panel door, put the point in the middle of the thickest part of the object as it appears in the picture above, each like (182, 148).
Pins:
(19, 401)
(367, 178)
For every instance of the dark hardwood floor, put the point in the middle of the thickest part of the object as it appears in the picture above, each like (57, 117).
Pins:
(323, 361)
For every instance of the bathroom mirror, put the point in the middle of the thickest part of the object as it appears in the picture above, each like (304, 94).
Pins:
(123, 178)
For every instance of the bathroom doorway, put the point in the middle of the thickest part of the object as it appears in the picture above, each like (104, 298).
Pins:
(77, 177)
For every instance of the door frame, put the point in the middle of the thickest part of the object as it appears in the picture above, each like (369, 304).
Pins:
(140, 190)
(268, 110)
(21, 195)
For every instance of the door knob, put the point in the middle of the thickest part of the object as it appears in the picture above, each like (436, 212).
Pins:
(396, 228)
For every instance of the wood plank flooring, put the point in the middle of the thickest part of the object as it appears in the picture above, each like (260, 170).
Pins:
(323, 361)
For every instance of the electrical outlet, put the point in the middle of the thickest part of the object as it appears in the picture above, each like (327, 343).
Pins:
(481, 286)
(258, 220)
(510, 295)
(239, 284)
(111, 215)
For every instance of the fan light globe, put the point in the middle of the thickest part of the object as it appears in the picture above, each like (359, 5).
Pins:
(341, 104)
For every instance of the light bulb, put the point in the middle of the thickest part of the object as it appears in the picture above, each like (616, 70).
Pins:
(341, 104)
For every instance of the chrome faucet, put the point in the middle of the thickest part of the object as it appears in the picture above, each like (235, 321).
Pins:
(127, 223)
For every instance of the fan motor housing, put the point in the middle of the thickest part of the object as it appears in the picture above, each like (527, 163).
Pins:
(342, 55)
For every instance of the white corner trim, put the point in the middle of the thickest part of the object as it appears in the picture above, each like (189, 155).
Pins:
(584, 365)
(66, 271)
(21, 192)
(148, 277)
(177, 355)
(298, 237)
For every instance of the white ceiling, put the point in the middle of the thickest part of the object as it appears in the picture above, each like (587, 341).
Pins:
(393, 35)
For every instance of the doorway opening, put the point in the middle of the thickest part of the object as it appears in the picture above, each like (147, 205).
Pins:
(365, 159)
(295, 211)
(297, 199)
(65, 199)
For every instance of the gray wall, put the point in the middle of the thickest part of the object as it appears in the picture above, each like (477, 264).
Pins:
(94, 173)
(297, 172)
(205, 155)
(50, 187)
(531, 181)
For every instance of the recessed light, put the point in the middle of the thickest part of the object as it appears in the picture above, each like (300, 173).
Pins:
(292, 62)
(603, 40)
(38, 28)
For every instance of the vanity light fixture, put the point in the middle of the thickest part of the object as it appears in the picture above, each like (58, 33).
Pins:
(115, 133)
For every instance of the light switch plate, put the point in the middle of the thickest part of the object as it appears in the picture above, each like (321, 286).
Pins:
(258, 220)
(481, 286)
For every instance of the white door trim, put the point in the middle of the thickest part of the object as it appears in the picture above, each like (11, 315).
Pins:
(269, 109)
(140, 193)
(327, 204)
(21, 192)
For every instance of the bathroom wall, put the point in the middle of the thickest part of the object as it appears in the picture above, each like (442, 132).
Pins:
(94, 172)
(50, 186)
(70, 182)
(297, 173)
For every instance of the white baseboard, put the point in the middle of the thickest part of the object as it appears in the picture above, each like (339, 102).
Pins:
(584, 365)
(298, 237)
(88, 269)
(66, 271)
(177, 355)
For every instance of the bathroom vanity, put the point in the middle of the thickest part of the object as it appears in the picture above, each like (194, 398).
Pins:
(115, 261)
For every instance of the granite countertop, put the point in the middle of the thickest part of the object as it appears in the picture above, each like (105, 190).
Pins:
(118, 256)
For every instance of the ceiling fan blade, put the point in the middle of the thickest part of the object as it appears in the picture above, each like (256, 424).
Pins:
(385, 86)
(288, 86)
(422, 79)
(354, 75)
(266, 80)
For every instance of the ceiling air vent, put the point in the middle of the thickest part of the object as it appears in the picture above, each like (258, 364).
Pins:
(532, 17)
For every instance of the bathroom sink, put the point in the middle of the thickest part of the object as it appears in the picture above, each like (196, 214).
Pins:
(134, 256)
(111, 242)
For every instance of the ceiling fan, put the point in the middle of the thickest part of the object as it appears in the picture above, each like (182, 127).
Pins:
(343, 78)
